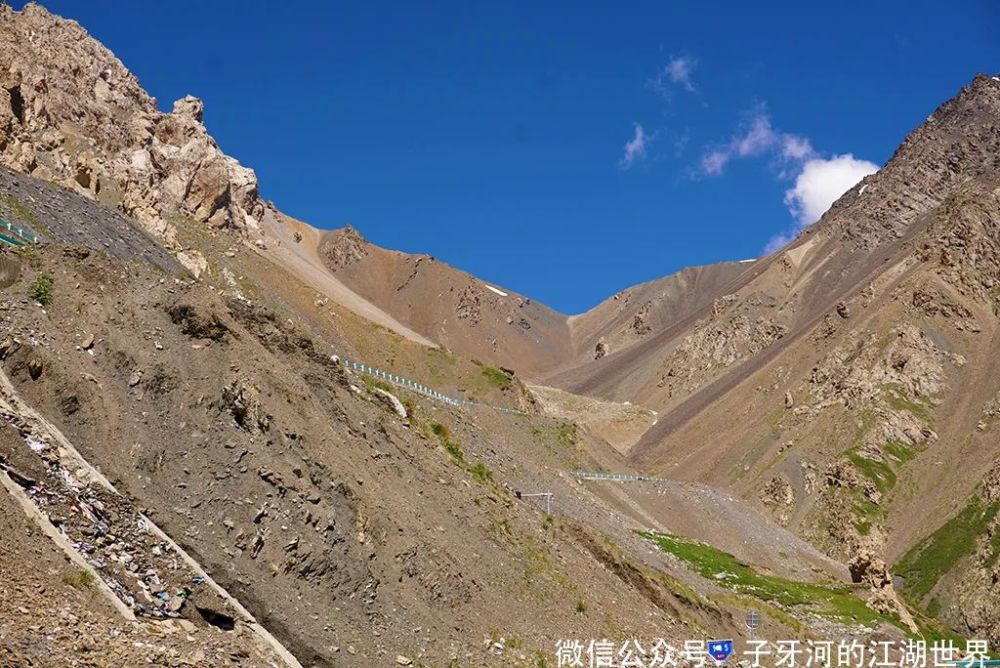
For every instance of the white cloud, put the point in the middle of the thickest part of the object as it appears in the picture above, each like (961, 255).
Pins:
(635, 148)
(794, 147)
(676, 73)
(713, 162)
(757, 137)
(818, 185)
(822, 182)
(777, 242)
(679, 70)
(818, 182)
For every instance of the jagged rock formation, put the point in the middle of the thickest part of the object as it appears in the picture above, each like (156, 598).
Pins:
(71, 113)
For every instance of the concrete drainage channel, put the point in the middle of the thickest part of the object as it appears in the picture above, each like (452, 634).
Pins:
(133, 562)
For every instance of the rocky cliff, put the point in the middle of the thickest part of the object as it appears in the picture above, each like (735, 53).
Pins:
(71, 113)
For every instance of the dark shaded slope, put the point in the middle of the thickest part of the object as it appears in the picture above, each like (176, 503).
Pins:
(56, 214)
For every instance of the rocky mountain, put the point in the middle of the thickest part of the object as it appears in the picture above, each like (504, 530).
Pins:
(448, 306)
(72, 114)
(472, 317)
(200, 476)
(193, 474)
(858, 360)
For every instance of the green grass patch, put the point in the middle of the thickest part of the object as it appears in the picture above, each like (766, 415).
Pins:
(930, 559)
(566, 435)
(481, 473)
(455, 450)
(866, 513)
(881, 473)
(933, 607)
(901, 453)
(829, 600)
(498, 377)
(22, 213)
(41, 289)
(451, 447)
(371, 383)
(897, 398)
(81, 579)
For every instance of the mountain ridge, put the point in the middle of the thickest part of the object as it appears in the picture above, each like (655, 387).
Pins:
(813, 400)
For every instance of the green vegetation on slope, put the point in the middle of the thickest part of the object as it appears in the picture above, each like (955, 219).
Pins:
(897, 397)
(371, 383)
(498, 377)
(884, 474)
(21, 212)
(829, 600)
(929, 560)
(41, 289)
(880, 473)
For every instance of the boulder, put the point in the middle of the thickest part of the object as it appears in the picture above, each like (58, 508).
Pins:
(242, 400)
(193, 261)
(391, 401)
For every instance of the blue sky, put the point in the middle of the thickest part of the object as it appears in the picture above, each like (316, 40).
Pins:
(495, 136)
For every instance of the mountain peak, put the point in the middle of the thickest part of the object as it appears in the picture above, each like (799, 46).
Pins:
(959, 141)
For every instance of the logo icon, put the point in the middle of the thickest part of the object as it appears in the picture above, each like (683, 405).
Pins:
(720, 649)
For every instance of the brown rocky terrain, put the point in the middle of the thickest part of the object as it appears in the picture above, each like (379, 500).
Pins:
(300, 492)
(476, 319)
(294, 486)
(857, 359)
(212, 486)
(450, 307)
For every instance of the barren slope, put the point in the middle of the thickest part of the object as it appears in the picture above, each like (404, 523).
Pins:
(842, 372)
(833, 385)
(616, 340)
(456, 310)
(300, 492)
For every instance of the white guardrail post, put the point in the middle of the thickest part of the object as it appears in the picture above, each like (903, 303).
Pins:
(423, 389)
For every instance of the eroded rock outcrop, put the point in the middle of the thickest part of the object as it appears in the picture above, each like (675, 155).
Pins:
(897, 382)
(734, 333)
(343, 248)
(242, 400)
(868, 567)
(71, 113)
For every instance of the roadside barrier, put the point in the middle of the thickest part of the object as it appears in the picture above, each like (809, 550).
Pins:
(619, 477)
(20, 237)
(420, 388)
